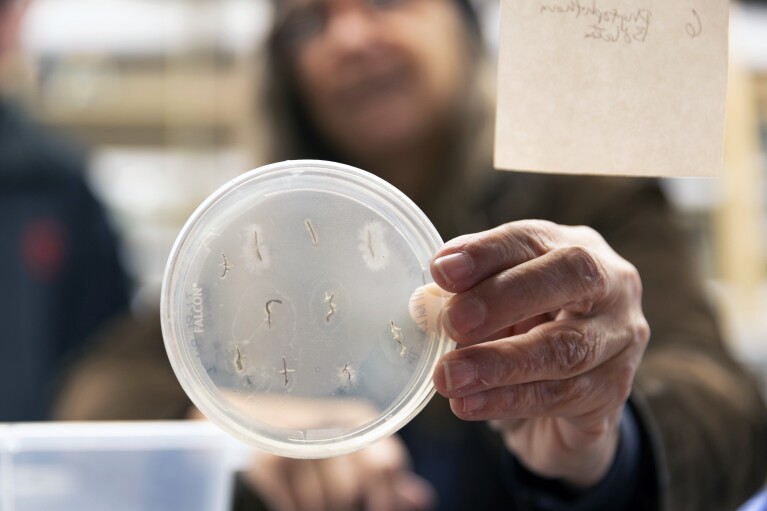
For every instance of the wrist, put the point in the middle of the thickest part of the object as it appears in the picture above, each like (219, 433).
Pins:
(595, 460)
(616, 490)
(577, 453)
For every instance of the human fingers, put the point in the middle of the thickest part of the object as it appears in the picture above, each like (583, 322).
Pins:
(467, 260)
(603, 389)
(379, 493)
(382, 463)
(343, 482)
(564, 276)
(401, 491)
(428, 301)
(268, 477)
(306, 486)
(556, 350)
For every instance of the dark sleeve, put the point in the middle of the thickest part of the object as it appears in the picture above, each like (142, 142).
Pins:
(60, 259)
(47, 176)
(705, 419)
(95, 277)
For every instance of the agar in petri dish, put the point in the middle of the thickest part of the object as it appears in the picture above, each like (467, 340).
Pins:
(287, 309)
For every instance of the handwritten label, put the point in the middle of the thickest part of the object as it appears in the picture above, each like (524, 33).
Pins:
(627, 87)
(606, 25)
(694, 29)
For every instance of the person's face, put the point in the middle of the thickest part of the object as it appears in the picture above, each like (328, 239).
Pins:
(376, 75)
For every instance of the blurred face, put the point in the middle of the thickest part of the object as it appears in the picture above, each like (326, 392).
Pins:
(376, 75)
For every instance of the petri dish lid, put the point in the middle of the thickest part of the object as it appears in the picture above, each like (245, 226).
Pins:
(287, 309)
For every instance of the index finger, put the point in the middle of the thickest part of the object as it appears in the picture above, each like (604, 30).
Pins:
(467, 260)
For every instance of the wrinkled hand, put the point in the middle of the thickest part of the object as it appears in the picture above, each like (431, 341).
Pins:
(553, 329)
(373, 479)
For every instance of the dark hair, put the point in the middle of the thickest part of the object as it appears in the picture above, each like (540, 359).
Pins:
(465, 7)
(469, 14)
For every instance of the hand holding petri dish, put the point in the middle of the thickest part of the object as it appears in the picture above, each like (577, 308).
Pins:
(294, 310)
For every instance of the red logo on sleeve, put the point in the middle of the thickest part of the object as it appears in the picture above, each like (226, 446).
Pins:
(44, 249)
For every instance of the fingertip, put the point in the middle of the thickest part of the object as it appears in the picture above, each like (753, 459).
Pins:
(462, 317)
(452, 270)
(456, 405)
(439, 379)
(469, 408)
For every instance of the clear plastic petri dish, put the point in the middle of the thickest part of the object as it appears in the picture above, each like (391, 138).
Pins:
(289, 314)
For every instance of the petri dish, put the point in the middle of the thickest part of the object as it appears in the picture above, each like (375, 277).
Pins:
(290, 312)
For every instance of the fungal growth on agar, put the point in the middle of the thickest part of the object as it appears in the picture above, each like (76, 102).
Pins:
(397, 334)
(285, 371)
(255, 245)
(331, 307)
(239, 360)
(372, 245)
(313, 234)
(346, 377)
(225, 266)
(254, 252)
(268, 309)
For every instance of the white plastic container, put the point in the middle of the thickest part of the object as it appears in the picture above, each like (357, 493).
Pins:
(137, 466)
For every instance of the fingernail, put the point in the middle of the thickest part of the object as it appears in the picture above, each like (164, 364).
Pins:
(455, 267)
(474, 402)
(466, 315)
(459, 374)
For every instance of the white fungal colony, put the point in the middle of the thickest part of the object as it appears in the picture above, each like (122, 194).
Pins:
(255, 251)
(372, 245)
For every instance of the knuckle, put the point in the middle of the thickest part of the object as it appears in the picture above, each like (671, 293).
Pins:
(503, 364)
(533, 398)
(632, 280)
(538, 236)
(506, 246)
(509, 248)
(542, 393)
(641, 332)
(586, 265)
(587, 233)
(569, 350)
(560, 392)
(523, 240)
(550, 394)
(515, 397)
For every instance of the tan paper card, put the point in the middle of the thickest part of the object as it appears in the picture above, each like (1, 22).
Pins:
(621, 87)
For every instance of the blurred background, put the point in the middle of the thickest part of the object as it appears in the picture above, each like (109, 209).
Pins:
(162, 94)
